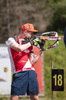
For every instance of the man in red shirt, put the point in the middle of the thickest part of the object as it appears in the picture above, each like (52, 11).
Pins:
(22, 63)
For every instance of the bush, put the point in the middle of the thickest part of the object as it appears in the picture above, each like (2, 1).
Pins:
(58, 22)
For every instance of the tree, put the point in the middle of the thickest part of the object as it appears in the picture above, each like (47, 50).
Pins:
(58, 22)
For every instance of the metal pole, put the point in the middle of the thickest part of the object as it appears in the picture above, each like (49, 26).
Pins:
(51, 69)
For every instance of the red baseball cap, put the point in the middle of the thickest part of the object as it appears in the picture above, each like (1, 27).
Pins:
(28, 27)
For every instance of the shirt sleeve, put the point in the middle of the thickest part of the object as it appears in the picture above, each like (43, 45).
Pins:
(10, 41)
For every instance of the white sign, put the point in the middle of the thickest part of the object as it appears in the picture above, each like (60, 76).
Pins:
(5, 71)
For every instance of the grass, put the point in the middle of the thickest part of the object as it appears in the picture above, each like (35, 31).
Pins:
(40, 98)
(58, 55)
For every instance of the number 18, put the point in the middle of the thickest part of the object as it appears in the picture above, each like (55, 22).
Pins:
(59, 81)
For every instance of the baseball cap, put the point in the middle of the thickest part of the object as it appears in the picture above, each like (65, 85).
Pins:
(29, 27)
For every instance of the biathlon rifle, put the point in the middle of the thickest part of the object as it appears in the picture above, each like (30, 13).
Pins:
(53, 36)
(50, 36)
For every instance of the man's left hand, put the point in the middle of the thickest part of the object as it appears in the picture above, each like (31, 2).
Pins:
(42, 45)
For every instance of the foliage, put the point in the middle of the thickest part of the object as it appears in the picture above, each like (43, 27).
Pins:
(58, 21)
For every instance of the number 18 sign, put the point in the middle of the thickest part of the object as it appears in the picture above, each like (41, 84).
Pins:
(57, 80)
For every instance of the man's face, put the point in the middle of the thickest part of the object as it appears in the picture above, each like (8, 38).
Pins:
(28, 34)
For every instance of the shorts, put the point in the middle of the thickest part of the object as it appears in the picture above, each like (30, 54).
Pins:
(25, 82)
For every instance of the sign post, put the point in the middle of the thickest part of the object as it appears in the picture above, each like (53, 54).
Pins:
(52, 68)
(57, 79)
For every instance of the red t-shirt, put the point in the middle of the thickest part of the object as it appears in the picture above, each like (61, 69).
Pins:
(19, 60)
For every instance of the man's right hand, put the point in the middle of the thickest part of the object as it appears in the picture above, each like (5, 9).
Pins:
(35, 41)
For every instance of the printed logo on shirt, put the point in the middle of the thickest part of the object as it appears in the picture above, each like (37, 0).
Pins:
(26, 51)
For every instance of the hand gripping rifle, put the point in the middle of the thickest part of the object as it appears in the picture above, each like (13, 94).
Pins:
(54, 38)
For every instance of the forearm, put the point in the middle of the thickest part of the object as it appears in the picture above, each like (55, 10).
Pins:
(35, 58)
(20, 48)
(24, 47)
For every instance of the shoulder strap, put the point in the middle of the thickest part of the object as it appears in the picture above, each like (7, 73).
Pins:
(15, 37)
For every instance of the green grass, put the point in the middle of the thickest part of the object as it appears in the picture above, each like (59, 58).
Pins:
(58, 55)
